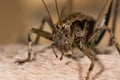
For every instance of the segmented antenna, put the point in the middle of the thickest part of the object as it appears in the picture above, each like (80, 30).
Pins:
(47, 11)
(58, 12)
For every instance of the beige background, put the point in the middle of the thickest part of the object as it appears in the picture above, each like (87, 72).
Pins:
(17, 17)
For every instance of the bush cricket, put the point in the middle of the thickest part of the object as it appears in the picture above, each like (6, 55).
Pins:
(75, 30)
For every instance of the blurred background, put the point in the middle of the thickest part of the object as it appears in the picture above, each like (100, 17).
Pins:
(17, 17)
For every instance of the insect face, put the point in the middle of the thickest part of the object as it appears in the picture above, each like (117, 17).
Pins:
(63, 37)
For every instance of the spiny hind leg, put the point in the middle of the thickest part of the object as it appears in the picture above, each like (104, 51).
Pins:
(38, 32)
(115, 16)
(96, 37)
(113, 39)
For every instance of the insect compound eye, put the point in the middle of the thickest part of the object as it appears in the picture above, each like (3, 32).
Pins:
(58, 27)
(67, 27)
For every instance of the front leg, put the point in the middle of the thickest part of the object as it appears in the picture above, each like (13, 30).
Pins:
(38, 32)
(48, 20)
(88, 52)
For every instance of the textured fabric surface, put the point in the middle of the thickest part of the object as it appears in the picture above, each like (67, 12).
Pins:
(47, 67)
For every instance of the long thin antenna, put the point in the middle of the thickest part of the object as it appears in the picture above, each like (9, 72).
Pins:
(58, 12)
(47, 11)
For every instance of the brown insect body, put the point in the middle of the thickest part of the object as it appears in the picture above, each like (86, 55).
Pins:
(75, 29)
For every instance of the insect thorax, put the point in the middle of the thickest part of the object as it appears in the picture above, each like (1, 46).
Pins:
(73, 29)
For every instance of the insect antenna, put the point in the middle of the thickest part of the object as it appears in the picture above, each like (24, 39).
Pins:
(58, 12)
(47, 10)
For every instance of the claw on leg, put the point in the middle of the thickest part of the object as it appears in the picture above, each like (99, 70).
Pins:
(28, 59)
(20, 61)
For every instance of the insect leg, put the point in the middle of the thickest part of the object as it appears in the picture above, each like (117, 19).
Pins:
(39, 32)
(48, 20)
(103, 19)
(62, 56)
(113, 39)
(54, 50)
(53, 46)
(93, 40)
(91, 66)
(88, 52)
(99, 63)
(96, 35)
(115, 15)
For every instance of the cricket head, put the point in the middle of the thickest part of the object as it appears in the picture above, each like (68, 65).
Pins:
(63, 37)
(62, 33)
